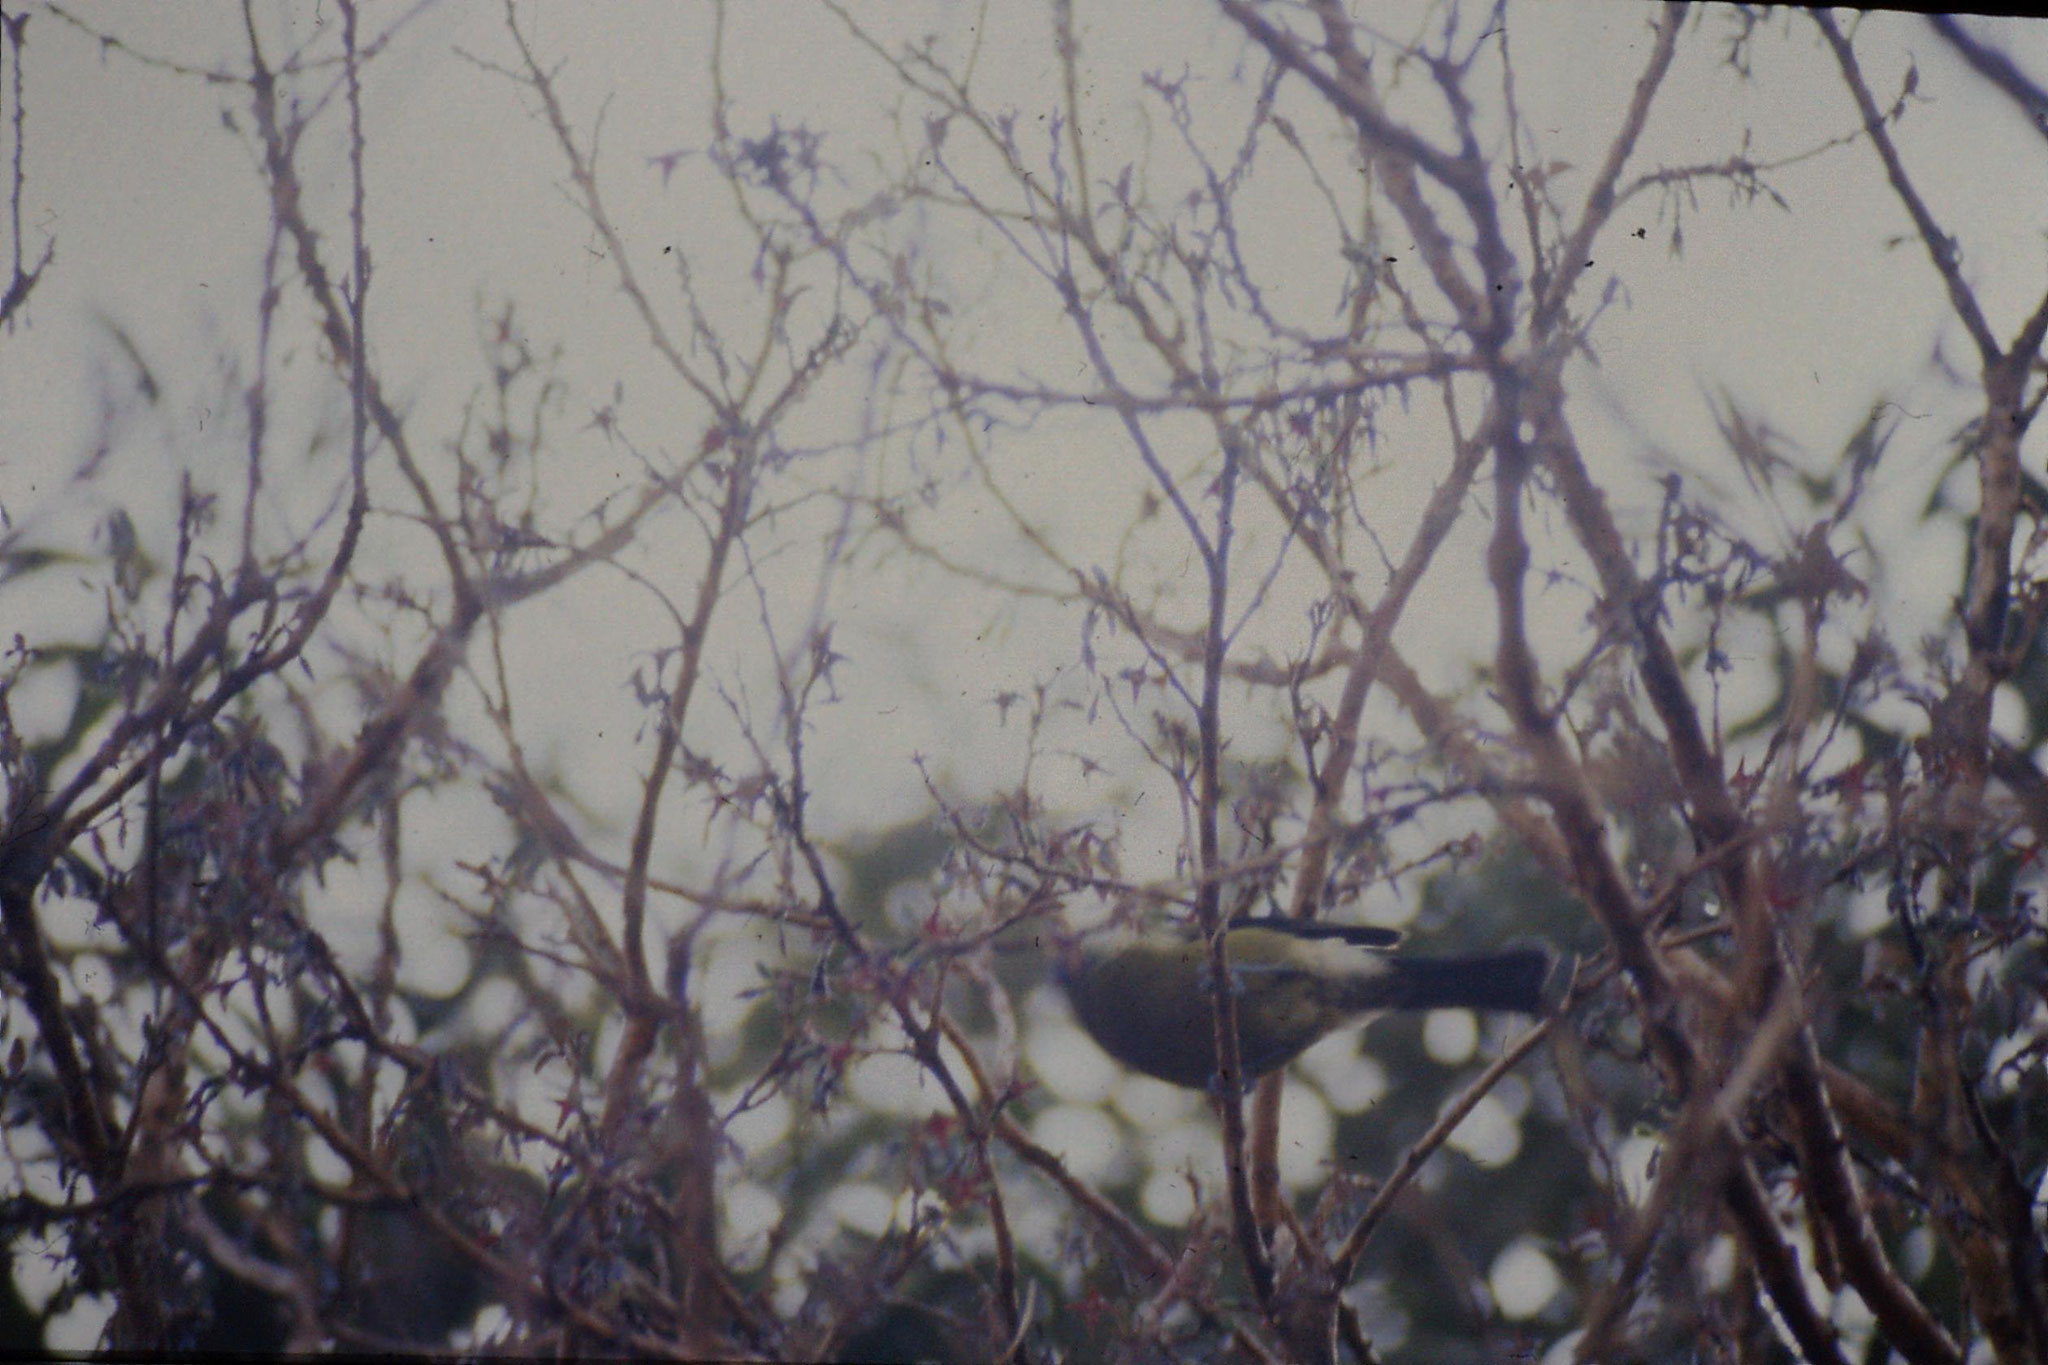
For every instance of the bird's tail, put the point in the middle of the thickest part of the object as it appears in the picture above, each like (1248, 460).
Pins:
(1512, 980)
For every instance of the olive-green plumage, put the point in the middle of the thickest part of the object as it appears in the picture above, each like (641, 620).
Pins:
(1150, 1005)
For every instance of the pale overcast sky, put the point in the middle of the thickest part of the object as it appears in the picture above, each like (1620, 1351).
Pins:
(1806, 315)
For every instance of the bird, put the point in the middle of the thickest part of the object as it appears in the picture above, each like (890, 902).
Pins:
(1149, 1003)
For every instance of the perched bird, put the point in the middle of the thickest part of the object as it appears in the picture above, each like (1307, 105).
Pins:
(1149, 1002)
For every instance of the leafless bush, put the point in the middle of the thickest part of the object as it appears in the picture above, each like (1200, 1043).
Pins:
(716, 1081)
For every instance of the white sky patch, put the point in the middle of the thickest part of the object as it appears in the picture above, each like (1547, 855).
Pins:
(1523, 1280)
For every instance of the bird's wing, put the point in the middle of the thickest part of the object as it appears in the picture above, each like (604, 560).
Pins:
(1357, 935)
